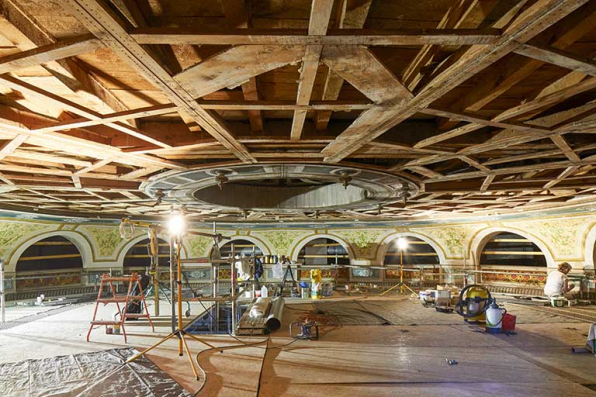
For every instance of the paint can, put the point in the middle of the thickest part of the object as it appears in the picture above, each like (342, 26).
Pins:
(558, 302)
(305, 293)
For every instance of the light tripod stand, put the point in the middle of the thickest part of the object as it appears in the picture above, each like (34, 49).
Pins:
(402, 244)
(178, 331)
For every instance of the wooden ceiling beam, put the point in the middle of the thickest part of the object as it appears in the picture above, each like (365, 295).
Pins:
(454, 17)
(320, 13)
(18, 85)
(511, 72)
(536, 130)
(238, 13)
(487, 181)
(558, 57)
(234, 66)
(9, 147)
(103, 24)
(77, 146)
(567, 172)
(27, 33)
(561, 142)
(529, 24)
(353, 16)
(339, 37)
(52, 52)
(511, 170)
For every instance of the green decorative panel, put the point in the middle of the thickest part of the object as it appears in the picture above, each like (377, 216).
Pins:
(362, 241)
(281, 241)
(106, 240)
(11, 233)
(198, 246)
(564, 237)
(452, 239)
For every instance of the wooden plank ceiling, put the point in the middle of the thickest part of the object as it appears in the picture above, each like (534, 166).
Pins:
(487, 105)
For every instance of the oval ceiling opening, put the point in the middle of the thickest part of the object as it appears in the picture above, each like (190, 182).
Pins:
(281, 195)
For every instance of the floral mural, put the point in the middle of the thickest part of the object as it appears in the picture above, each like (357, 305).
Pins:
(364, 240)
(563, 236)
(12, 232)
(281, 241)
(199, 246)
(107, 240)
(453, 239)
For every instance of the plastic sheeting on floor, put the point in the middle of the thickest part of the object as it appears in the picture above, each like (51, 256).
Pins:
(102, 373)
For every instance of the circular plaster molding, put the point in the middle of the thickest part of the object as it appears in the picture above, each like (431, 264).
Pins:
(281, 188)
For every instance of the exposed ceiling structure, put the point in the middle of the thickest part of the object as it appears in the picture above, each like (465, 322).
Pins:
(485, 106)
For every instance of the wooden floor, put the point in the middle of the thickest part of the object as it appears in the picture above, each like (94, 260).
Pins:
(379, 360)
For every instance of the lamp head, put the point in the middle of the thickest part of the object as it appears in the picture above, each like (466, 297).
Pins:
(402, 243)
(177, 224)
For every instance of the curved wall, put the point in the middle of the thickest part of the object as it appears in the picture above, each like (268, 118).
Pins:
(562, 238)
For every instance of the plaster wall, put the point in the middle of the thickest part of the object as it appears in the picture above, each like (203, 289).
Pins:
(570, 238)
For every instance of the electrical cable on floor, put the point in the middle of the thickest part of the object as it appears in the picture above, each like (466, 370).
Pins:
(230, 347)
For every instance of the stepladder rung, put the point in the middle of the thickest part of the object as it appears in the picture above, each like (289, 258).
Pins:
(106, 322)
(128, 298)
(120, 299)
(119, 279)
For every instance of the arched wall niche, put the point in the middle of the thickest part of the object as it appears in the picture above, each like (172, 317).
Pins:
(295, 251)
(135, 241)
(590, 250)
(418, 252)
(55, 253)
(484, 236)
(388, 240)
(77, 239)
(259, 243)
(138, 254)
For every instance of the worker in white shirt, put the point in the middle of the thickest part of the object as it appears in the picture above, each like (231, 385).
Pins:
(557, 283)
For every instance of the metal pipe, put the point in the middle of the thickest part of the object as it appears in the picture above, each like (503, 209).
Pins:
(179, 293)
(233, 275)
(172, 284)
(273, 322)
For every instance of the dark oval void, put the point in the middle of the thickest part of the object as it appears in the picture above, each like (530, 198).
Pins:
(243, 195)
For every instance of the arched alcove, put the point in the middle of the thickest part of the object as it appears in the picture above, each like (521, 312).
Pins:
(138, 255)
(590, 251)
(242, 246)
(483, 237)
(511, 249)
(323, 251)
(47, 263)
(295, 251)
(388, 243)
(418, 252)
(415, 254)
(511, 257)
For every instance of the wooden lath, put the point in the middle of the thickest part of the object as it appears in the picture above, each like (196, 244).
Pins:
(528, 25)
(528, 150)
(100, 22)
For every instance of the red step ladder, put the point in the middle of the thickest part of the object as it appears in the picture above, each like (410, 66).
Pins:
(117, 299)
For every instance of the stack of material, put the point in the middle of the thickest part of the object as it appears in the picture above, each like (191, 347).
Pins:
(262, 317)
(259, 308)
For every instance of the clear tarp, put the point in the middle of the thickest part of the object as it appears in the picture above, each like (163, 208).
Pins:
(102, 373)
